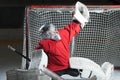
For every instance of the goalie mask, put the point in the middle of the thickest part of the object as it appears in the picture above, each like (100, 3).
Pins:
(48, 31)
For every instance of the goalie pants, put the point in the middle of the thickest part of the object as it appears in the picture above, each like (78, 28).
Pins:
(69, 71)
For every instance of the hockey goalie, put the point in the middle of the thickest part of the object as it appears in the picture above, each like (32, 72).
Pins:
(55, 43)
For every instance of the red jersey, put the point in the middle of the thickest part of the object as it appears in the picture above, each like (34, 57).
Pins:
(58, 51)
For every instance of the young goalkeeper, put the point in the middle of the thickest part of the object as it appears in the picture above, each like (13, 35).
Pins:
(56, 42)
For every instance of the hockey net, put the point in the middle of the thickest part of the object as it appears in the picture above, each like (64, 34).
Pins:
(98, 41)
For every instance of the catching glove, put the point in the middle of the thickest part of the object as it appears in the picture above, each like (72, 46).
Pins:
(81, 13)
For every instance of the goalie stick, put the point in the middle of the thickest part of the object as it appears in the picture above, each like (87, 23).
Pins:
(14, 50)
(45, 70)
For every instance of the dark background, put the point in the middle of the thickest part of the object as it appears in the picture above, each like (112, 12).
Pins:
(12, 11)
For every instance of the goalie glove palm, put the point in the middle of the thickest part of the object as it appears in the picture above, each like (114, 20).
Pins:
(81, 14)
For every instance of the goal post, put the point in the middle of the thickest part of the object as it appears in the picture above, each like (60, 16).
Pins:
(99, 40)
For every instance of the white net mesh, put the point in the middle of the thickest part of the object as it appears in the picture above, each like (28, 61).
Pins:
(99, 40)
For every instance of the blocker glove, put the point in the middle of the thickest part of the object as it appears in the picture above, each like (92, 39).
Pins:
(81, 13)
